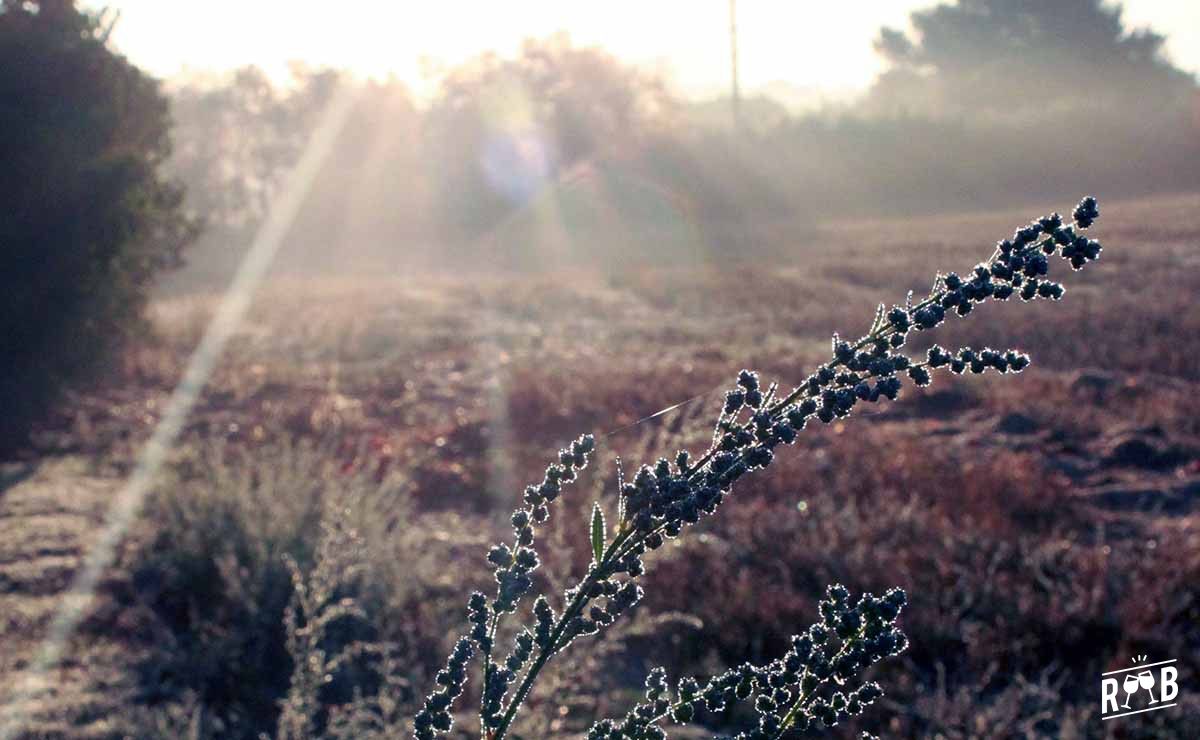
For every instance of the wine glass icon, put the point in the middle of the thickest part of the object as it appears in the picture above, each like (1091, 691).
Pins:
(1146, 680)
(1130, 685)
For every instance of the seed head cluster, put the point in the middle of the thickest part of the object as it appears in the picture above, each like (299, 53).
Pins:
(664, 498)
(783, 693)
(435, 718)
(513, 566)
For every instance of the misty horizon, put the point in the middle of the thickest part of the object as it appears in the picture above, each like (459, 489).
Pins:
(834, 64)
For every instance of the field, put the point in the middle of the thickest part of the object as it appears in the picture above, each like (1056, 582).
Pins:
(1046, 526)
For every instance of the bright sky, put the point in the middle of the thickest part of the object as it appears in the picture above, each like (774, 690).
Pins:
(806, 43)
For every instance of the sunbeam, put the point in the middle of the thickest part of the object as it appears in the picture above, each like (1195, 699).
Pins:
(128, 501)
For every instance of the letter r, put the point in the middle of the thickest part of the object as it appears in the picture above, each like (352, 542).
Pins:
(1108, 693)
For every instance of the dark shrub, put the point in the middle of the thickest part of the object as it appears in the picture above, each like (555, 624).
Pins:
(87, 220)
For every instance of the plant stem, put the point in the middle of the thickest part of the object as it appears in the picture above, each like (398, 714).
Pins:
(627, 541)
(790, 717)
(545, 653)
(543, 657)
(881, 332)
(487, 666)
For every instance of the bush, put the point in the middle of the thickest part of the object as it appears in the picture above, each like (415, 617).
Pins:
(234, 529)
(88, 221)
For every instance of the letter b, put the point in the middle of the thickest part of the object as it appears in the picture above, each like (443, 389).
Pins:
(1170, 688)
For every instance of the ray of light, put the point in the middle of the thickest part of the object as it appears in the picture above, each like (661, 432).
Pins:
(128, 501)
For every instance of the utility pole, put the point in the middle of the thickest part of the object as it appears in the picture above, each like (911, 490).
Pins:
(736, 96)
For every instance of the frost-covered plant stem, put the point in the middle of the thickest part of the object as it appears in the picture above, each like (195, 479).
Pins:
(664, 498)
(595, 573)
(540, 661)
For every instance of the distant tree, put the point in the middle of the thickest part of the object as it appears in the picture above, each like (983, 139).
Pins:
(1010, 58)
(235, 138)
(370, 203)
(88, 221)
(499, 130)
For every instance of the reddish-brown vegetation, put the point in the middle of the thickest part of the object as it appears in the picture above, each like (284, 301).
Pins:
(1045, 526)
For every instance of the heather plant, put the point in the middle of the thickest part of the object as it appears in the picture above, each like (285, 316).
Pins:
(259, 560)
(815, 683)
(320, 607)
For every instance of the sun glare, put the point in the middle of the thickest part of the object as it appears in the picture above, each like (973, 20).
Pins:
(807, 45)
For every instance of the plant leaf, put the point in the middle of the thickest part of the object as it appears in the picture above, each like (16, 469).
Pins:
(620, 492)
(878, 319)
(597, 531)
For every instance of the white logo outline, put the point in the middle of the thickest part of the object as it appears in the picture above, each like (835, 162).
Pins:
(1139, 677)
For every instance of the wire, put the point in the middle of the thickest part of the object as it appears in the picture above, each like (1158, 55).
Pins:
(658, 413)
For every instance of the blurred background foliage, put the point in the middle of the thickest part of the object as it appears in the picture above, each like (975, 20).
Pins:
(567, 155)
